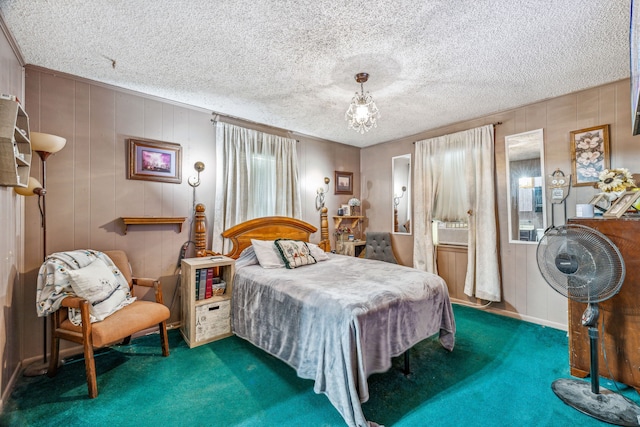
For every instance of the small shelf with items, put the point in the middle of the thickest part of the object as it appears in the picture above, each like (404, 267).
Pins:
(206, 287)
(338, 220)
(15, 145)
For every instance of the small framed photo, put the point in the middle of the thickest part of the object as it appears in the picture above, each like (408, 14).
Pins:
(346, 209)
(154, 161)
(600, 202)
(589, 154)
(344, 182)
(620, 206)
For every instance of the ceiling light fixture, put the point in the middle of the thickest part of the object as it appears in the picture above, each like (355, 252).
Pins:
(363, 112)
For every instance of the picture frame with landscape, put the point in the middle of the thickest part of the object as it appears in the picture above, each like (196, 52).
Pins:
(343, 182)
(154, 161)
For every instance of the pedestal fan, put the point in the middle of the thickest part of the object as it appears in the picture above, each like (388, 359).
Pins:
(584, 265)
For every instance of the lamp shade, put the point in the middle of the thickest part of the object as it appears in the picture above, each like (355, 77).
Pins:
(29, 190)
(46, 142)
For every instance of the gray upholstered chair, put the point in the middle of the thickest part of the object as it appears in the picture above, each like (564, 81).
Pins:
(379, 247)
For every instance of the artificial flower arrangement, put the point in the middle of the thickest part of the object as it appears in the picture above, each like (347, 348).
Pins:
(354, 207)
(615, 180)
(342, 230)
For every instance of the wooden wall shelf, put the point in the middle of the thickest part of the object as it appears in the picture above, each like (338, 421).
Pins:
(353, 219)
(151, 220)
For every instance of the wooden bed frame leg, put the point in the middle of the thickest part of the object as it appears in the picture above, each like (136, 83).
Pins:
(407, 368)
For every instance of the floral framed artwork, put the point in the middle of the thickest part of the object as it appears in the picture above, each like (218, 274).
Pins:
(589, 154)
(344, 182)
(622, 203)
(154, 161)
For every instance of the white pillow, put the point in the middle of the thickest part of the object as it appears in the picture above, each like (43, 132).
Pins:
(317, 253)
(267, 253)
(98, 284)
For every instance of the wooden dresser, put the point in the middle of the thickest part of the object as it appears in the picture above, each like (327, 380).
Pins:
(620, 314)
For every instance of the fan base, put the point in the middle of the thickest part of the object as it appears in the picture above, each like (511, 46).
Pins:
(607, 406)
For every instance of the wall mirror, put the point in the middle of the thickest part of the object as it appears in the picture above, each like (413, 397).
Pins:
(525, 183)
(401, 172)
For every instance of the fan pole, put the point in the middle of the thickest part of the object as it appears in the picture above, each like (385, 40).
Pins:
(590, 320)
(595, 376)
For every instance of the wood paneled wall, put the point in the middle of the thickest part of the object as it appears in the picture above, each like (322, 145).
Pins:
(525, 293)
(88, 192)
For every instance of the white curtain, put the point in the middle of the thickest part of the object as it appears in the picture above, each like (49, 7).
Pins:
(454, 180)
(256, 176)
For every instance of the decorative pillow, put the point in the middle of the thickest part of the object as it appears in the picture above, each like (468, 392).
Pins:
(317, 253)
(267, 253)
(294, 253)
(98, 284)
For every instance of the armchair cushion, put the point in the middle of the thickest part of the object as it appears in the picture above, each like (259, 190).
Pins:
(133, 318)
(100, 285)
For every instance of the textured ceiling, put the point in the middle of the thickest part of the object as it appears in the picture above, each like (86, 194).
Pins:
(291, 64)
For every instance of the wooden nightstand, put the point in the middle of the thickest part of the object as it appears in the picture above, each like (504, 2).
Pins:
(206, 318)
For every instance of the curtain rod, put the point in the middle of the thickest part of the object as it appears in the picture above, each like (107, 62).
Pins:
(494, 125)
(217, 116)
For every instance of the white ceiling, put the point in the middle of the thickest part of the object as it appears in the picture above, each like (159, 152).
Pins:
(291, 63)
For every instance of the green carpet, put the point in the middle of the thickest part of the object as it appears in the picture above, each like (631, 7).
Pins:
(499, 374)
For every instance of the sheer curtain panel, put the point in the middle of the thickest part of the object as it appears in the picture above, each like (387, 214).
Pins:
(454, 181)
(256, 176)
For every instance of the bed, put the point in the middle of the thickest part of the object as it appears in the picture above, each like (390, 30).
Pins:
(335, 321)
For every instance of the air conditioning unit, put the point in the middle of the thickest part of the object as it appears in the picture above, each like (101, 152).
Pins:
(451, 233)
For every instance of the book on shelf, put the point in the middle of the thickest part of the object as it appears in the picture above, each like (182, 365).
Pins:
(202, 283)
(209, 283)
(197, 283)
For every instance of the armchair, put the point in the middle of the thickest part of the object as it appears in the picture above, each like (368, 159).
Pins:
(117, 327)
(379, 247)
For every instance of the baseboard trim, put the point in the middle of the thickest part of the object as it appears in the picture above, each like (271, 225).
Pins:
(513, 315)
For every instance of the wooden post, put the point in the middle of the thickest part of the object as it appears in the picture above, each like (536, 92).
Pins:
(200, 231)
(325, 243)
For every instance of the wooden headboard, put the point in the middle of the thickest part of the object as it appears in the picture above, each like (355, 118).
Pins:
(266, 228)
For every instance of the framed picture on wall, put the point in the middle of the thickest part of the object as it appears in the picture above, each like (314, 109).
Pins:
(589, 154)
(154, 161)
(344, 182)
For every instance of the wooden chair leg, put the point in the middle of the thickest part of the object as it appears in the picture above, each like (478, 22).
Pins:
(55, 347)
(90, 367)
(164, 339)
(87, 342)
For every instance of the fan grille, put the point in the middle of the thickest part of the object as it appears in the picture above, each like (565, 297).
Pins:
(580, 263)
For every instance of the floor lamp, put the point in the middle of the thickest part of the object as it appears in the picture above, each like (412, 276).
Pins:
(45, 145)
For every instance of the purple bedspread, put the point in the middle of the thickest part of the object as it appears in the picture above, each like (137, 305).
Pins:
(338, 321)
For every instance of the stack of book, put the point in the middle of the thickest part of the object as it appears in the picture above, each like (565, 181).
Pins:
(207, 284)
